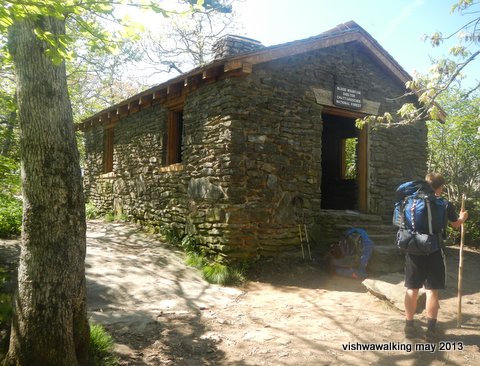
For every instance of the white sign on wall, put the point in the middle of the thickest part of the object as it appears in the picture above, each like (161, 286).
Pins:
(347, 97)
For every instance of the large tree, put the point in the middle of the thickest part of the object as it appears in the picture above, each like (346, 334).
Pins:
(49, 325)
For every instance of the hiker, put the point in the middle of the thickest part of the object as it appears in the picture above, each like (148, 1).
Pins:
(428, 270)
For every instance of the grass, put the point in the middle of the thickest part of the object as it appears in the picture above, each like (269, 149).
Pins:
(91, 212)
(215, 272)
(210, 266)
(101, 347)
(113, 217)
(101, 343)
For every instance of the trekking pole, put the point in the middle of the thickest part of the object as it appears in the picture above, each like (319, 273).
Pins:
(301, 240)
(300, 218)
(308, 243)
(460, 271)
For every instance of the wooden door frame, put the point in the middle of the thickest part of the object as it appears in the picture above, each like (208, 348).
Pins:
(363, 153)
(363, 169)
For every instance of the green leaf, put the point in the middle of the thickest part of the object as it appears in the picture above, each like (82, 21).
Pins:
(407, 110)
(54, 56)
(5, 18)
(459, 51)
(436, 39)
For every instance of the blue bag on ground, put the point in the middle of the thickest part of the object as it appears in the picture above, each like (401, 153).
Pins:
(350, 256)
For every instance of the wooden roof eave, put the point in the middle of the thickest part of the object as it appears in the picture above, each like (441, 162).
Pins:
(242, 64)
(355, 36)
(315, 43)
(171, 89)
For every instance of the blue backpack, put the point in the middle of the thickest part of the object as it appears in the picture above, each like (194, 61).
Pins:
(349, 257)
(418, 209)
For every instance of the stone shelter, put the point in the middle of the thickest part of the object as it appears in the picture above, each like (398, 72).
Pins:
(243, 151)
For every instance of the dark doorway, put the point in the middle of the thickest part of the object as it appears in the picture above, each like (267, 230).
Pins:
(340, 163)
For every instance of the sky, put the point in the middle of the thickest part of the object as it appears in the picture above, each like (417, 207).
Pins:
(398, 25)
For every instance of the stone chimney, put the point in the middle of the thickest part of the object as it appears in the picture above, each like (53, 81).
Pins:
(233, 45)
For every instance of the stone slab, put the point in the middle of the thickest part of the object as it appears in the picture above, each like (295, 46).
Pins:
(390, 287)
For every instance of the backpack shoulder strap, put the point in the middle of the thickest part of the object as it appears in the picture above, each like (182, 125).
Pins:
(429, 216)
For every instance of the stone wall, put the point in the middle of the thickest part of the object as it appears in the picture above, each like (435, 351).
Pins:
(98, 186)
(136, 188)
(208, 164)
(277, 153)
(252, 145)
(398, 153)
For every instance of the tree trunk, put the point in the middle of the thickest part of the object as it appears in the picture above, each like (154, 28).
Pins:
(49, 325)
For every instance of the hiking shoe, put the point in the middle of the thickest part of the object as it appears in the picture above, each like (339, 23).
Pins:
(431, 336)
(411, 331)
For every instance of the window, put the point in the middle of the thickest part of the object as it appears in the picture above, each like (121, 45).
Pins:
(108, 135)
(349, 158)
(174, 137)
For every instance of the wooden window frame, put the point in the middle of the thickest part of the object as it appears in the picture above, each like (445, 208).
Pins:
(108, 139)
(174, 136)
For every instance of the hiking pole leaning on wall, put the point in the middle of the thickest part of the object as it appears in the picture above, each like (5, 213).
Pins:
(460, 271)
(306, 239)
(302, 226)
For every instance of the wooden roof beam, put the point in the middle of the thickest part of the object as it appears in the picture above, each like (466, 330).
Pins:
(195, 79)
(192, 82)
(134, 106)
(122, 111)
(89, 123)
(174, 90)
(105, 117)
(212, 73)
(238, 66)
(159, 96)
(146, 100)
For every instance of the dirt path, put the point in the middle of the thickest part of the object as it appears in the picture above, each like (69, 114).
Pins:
(161, 312)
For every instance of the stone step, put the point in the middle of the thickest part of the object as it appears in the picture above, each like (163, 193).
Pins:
(386, 259)
(378, 237)
(383, 239)
(350, 216)
(386, 256)
(370, 227)
(379, 232)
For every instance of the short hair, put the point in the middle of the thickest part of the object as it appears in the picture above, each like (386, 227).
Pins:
(436, 180)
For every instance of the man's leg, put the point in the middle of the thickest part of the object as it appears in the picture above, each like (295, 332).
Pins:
(435, 281)
(432, 305)
(411, 296)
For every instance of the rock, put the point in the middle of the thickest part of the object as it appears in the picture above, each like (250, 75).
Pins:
(390, 287)
(203, 189)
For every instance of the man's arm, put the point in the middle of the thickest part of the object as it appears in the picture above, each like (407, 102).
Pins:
(462, 217)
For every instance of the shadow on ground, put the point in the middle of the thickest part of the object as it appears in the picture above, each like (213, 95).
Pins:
(292, 312)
